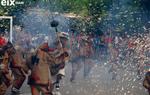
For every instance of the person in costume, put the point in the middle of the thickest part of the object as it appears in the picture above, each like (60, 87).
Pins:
(5, 76)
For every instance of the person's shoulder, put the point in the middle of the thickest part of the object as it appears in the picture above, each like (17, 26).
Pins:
(148, 73)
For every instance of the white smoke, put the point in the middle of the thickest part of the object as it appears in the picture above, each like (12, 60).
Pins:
(37, 22)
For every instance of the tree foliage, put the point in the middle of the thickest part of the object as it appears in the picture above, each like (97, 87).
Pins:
(94, 11)
(14, 11)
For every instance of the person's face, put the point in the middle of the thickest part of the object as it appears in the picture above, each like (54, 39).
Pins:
(18, 29)
(64, 42)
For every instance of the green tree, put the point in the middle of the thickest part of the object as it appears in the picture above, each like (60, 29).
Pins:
(14, 11)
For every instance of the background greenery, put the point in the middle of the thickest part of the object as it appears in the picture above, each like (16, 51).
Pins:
(98, 15)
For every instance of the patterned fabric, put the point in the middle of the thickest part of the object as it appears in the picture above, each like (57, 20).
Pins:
(3, 89)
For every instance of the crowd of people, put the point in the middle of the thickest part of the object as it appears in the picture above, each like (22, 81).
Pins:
(127, 52)
(40, 62)
(19, 61)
